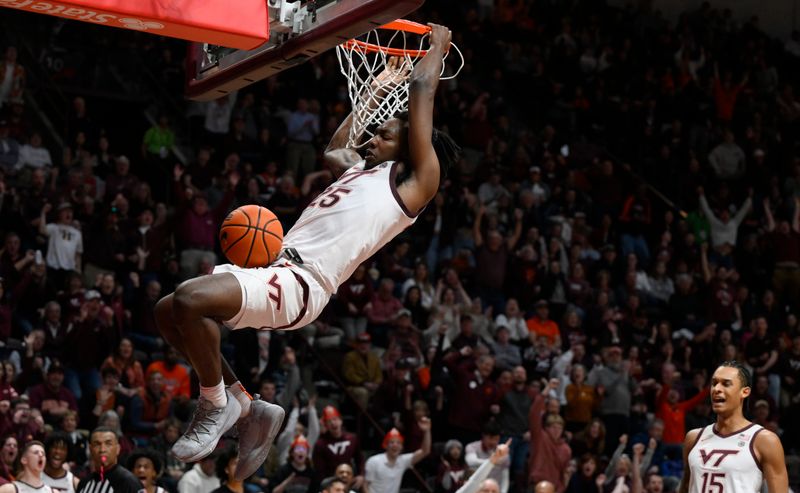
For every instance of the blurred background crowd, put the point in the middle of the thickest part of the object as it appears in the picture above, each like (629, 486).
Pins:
(624, 217)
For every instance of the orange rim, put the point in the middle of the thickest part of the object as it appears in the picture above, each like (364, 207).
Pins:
(398, 25)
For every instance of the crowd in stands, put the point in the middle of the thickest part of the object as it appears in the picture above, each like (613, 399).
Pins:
(624, 217)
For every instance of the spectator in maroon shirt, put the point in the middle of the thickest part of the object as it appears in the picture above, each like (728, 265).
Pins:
(474, 396)
(90, 342)
(51, 397)
(785, 240)
(336, 446)
(199, 223)
(121, 181)
(382, 309)
(491, 258)
(351, 301)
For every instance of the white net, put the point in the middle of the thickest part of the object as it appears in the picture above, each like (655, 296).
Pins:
(377, 80)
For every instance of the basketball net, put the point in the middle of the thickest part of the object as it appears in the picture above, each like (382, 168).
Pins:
(376, 98)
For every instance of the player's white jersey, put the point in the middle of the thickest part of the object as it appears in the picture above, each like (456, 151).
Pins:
(64, 484)
(725, 463)
(348, 222)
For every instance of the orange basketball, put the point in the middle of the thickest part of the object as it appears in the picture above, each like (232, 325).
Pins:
(251, 236)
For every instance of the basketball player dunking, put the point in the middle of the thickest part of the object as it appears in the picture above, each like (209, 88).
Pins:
(733, 455)
(375, 198)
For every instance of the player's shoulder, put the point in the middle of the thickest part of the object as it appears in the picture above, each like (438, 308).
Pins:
(767, 439)
(692, 436)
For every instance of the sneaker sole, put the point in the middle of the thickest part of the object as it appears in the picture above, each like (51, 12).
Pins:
(268, 438)
(211, 446)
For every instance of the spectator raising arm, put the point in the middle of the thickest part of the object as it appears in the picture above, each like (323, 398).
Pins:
(475, 481)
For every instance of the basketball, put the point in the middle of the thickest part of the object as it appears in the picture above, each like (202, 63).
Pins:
(251, 236)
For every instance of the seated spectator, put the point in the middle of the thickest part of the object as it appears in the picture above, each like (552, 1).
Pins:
(382, 309)
(540, 326)
(130, 370)
(513, 318)
(226, 466)
(344, 473)
(150, 409)
(506, 354)
(352, 298)
(162, 444)
(51, 397)
(32, 155)
(384, 472)
(479, 452)
(453, 472)
(77, 442)
(175, 375)
(297, 475)
(111, 420)
(202, 477)
(362, 371)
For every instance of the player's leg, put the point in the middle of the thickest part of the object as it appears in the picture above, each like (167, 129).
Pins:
(169, 330)
(196, 306)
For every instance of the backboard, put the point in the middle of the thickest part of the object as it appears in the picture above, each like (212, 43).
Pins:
(298, 31)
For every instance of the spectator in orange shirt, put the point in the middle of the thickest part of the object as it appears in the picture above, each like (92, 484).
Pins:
(176, 376)
(541, 326)
(671, 411)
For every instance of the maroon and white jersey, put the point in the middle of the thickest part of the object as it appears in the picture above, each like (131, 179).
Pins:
(348, 222)
(725, 463)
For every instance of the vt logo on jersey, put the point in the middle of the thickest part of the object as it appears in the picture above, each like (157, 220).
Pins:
(339, 448)
(721, 454)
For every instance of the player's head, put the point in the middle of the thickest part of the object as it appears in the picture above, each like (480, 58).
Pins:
(390, 143)
(32, 457)
(730, 386)
(56, 446)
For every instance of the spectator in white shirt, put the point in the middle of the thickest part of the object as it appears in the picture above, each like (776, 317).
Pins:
(478, 482)
(384, 472)
(65, 241)
(34, 155)
(479, 452)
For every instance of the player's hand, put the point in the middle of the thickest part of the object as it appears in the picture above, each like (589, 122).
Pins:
(501, 452)
(395, 72)
(440, 36)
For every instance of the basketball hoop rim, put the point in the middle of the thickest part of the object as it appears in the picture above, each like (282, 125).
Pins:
(397, 25)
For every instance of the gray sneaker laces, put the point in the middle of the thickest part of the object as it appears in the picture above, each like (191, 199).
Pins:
(203, 418)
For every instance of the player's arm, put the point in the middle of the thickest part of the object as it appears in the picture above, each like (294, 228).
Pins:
(769, 450)
(338, 156)
(688, 444)
(418, 190)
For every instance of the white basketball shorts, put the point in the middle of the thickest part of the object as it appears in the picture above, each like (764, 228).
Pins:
(282, 296)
